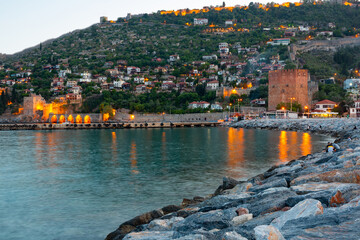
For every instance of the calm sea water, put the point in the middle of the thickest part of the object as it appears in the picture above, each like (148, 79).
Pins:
(83, 184)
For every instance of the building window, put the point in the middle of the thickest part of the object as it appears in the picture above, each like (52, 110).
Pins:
(283, 91)
(287, 85)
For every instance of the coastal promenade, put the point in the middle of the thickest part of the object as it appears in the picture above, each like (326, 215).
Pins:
(314, 197)
(64, 126)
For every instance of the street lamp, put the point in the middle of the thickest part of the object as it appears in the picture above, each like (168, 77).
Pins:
(291, 103)
(308, 110)
(283, 108)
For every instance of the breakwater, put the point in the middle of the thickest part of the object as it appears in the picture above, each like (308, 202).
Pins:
(315, 196)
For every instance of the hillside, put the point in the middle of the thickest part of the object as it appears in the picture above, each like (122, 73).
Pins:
(167, 47)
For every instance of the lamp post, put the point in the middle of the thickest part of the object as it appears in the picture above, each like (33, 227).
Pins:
(291, 103)
(308, 110)
(283, 108)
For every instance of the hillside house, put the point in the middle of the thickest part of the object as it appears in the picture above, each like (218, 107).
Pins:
(279, 41)
(174, 58)
(140, 88)
(216, 106)
(324, 106)
(132, 70)
(202, 104)
(212, 85)
(201, 21)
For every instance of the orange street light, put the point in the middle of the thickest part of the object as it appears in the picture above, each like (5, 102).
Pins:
(132, 117)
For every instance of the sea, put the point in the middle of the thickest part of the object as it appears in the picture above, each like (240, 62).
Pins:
(82, 184)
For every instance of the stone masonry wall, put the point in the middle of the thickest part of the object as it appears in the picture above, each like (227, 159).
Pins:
(286, 84)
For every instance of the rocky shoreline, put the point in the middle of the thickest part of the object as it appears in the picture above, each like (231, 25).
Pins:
(314, 197)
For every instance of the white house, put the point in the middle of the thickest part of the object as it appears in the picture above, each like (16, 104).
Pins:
(85, 77)
(139, 79)
(213, 85)
(62, 73)
(229, 22)
(71, 83)
(210, 57)
(174, 58)
(202, 104)
(132, 70)
(351, 83)
(279, 41)
(324, 105)
(216, 106)
(201, 21)
(118, 84)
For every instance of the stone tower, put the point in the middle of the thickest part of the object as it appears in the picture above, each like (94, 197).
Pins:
(286, 84)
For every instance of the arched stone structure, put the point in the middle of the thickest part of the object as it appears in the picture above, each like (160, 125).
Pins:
(87, 119)
(54, 119)
(78, 119)
(62, 119)
(75, 118)
(70, 119)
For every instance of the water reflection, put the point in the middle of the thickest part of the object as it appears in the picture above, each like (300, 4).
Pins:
(306, 145)
(45, 150)
(283, 146)
(133, 160)
(235, 146)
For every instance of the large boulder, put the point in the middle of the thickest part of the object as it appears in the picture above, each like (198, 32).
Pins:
(266, 232)
(335, 223)
(308, 207)
(232, 236)
(344, 175)
(163, 224)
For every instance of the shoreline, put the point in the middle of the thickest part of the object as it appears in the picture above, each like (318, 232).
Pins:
(122, 125)
(299, 199)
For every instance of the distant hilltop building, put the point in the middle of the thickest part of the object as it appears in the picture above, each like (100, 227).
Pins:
(201, 21)
(104, 19)
(279, 41)
(287, 84)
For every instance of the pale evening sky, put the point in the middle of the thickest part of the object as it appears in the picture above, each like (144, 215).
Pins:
(25, 23)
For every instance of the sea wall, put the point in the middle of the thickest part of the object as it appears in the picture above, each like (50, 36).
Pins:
(314, 197)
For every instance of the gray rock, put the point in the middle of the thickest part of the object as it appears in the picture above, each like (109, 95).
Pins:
(149, 235)
(218, 219)
(335, 223)
(272, 184)
(163, 224)
(218, 201)
(308, 207)
(232, 236)
(266, 232)
(241, 219)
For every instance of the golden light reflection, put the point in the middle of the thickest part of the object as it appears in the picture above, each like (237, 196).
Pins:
(163, 147)
(78, 119)
(71, 119)
(133, 160)
(293, 142)
(306, 145)
(87, 119)
(283, 147)
(114, 148)
(235, 146)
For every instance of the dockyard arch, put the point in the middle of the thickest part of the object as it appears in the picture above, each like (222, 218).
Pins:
(71, 119)
(54, 119)
(78, 119)
(62, 119)
(87, 119)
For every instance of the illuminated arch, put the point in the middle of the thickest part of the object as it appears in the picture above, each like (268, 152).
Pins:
(62, 119)
(54, 119)
(78, 119)
(70, 119)
(87, 119)
(106, 117)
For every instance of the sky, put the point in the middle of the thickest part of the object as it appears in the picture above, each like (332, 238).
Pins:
(26, 23)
